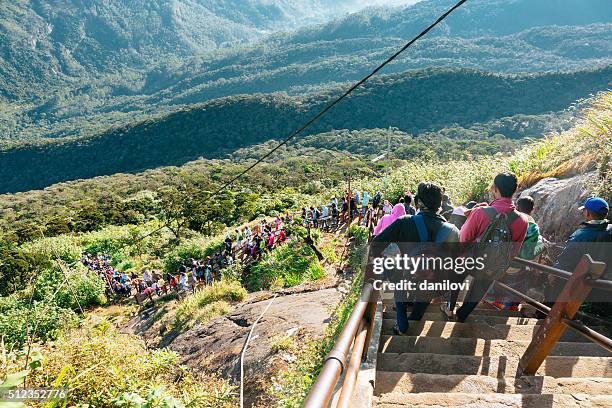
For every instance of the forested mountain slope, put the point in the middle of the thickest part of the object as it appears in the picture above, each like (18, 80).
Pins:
(55, 42)
(414, 102)
(475, 18)
(139, 79)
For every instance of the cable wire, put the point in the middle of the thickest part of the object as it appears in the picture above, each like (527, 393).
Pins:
(343, 96)
(324, 111)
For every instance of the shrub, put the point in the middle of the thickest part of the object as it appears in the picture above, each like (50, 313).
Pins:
(286, 266)
(66, 247)
(197, 248)
(209, 302)
(359, 233)
(586, 146)
(233, 272)
(43, 320)
(86, 289)
(101, 369)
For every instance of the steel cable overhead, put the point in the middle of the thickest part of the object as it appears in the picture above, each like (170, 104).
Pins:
(343, 96)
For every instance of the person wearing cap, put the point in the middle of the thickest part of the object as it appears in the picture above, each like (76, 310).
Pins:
(593, 228)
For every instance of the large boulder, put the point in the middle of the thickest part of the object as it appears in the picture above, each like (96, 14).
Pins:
(557, 202)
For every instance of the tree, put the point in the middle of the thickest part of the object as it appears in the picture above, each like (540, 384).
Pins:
(176, 210)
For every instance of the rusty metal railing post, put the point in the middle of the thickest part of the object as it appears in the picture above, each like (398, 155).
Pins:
(567, 304)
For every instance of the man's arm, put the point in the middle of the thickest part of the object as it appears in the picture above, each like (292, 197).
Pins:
(390, 234)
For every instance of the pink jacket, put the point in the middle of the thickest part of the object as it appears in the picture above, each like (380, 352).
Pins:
(478, 221)
(398, 211)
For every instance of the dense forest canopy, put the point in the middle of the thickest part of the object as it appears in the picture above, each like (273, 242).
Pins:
(414, 102)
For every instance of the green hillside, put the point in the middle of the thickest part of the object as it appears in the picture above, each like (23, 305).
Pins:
(414, 102)
(105, 87)
(55, 43)
(475, 19)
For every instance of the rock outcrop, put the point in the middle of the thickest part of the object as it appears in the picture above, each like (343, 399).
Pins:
(217, 344)
(557, 202)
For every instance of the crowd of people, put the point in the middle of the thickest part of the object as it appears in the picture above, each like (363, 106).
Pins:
(263, 236)
(116, 281)
(246, 244)
(470, 225)
(502, 229)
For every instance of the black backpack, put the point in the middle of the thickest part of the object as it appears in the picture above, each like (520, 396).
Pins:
(495, 243)
(376, 200)
(603, 251)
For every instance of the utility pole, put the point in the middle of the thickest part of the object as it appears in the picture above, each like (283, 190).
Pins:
(387, 164)
(350, 200)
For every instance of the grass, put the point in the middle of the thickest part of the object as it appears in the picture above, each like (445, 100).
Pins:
(585, 147)
(97, 364)
(286, 266)
(463, 180)
(208, 303)
(283, 342)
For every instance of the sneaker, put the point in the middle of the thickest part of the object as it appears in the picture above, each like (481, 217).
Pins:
(448, 313)
(397, 331)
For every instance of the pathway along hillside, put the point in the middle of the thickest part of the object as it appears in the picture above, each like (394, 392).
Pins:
(474, 364)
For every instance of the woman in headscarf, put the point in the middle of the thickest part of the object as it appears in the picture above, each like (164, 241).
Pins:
(388, 219)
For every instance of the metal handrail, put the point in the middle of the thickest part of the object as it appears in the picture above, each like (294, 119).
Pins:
(589, 333)
(599, 284)
(594, 283)
(544, 268)
(350, 378)
(580, 327)
(529, 300)
(335, 362)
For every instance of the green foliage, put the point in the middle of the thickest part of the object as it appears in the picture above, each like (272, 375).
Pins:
(587, 146)
(47, 308)
(217, 127)
(17, 267)
(209, 302)
(43, 320)
(84, 289)
(464, 180)
(197, 248)
(359, 233)
(285, 266)
(108, 369)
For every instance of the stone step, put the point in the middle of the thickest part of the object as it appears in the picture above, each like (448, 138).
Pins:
(482, 309)
(394, 382)
(498, 367)
(474, 318)
(476, 330)
(480, 347)
(464, 400)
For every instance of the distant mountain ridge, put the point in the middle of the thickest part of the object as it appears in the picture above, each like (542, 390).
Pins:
(57, 42)
(476, 18)
(286, 64)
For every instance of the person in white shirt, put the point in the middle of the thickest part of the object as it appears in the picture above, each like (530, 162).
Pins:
(387, 208)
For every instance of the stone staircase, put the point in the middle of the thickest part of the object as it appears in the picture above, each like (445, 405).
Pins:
(474, 364)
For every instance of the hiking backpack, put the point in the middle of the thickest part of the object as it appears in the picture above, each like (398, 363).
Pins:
(426, 249)
(603, 252)
(495, 243)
